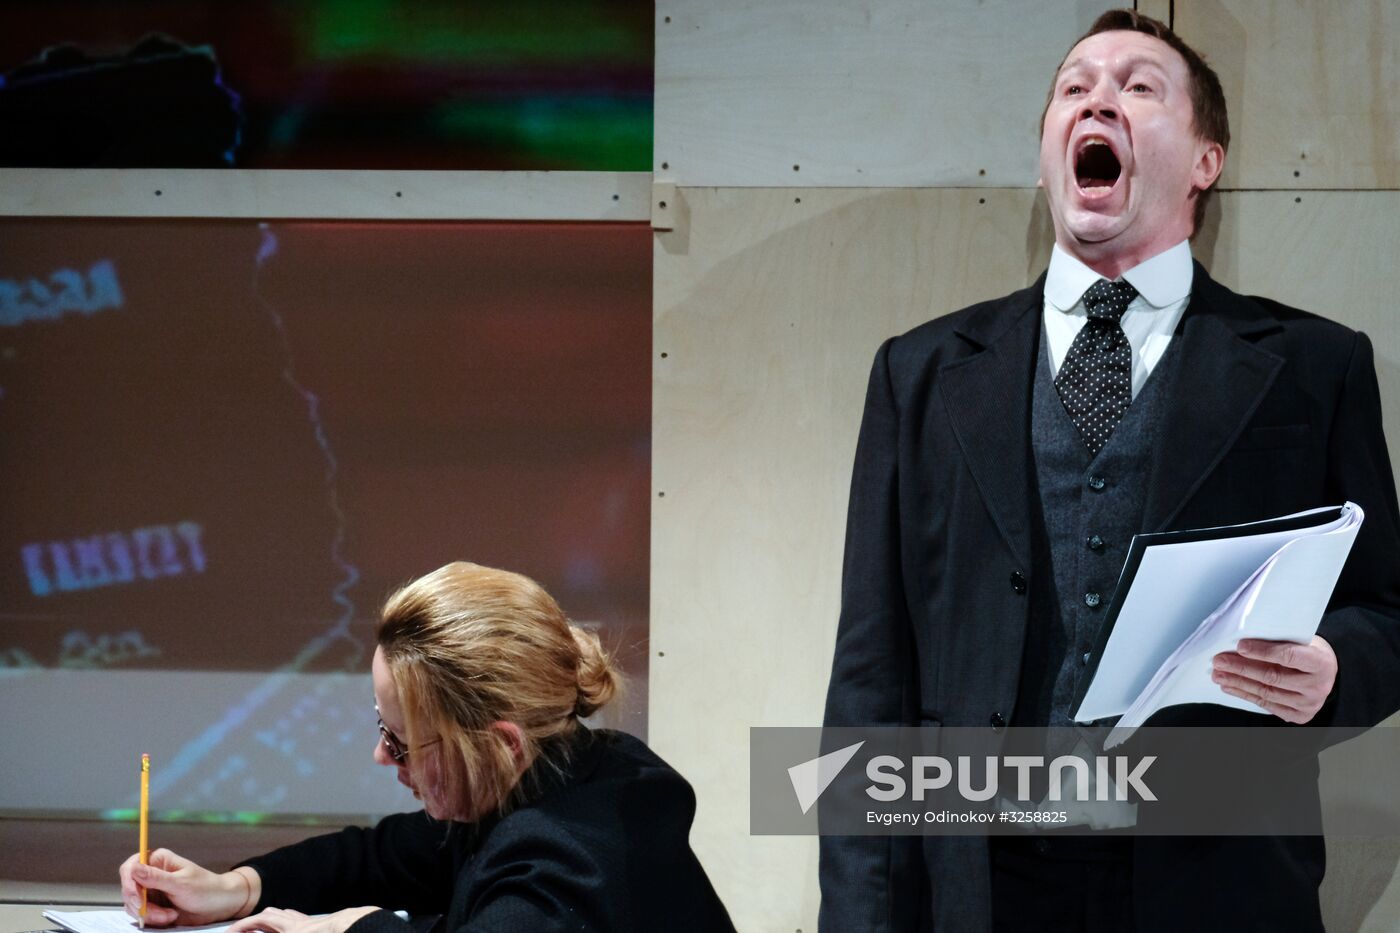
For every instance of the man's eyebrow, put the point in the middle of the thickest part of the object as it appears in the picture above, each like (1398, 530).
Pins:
(1139, 60)
(1131, 63)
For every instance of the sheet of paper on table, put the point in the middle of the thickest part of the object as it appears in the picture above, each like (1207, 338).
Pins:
(111, 921)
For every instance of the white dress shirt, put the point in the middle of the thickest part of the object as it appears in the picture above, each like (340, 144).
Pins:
(1164, 288)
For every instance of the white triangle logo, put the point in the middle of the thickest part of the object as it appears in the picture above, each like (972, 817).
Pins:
(811, 778)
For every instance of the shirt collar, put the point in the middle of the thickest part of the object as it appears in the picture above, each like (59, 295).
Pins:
(1161, 280)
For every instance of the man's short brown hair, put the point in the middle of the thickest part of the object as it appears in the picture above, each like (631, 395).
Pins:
(1208, 114)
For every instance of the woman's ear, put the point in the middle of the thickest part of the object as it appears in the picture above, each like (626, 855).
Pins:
(509, 733)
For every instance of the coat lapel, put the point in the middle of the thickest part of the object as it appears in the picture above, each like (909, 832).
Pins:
(988, 399)
(1221, 379)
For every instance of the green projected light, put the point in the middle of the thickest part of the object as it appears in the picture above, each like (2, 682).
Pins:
(602, 133)
(480, 34)
(221, 817)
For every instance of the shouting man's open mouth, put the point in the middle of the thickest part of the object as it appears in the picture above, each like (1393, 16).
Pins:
(1096, 166)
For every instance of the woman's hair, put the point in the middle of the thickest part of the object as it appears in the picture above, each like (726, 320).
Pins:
(468, 646)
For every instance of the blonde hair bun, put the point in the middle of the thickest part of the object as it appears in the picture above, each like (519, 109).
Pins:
(598, 679)
(470, 646)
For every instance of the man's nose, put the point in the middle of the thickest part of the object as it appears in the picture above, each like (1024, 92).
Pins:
(1103, 113)
(381, 754)
(1100, 104)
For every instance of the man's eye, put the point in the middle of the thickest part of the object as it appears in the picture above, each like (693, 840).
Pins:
(1140, 88)
(1074, 89)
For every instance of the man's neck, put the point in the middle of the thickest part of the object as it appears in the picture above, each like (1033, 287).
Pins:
(1161, 280)
(1111, 262)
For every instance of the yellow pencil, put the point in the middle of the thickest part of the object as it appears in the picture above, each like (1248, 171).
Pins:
(145, 820)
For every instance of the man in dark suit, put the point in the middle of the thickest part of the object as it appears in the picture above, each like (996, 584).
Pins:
(1009, 451)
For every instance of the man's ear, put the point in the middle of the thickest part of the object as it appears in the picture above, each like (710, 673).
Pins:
(509, 733)
(1209, 164)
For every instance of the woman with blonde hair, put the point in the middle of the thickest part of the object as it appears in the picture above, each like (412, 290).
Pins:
(530, 820)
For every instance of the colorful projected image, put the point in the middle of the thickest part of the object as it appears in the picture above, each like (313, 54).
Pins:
(226, 442)
(434, 84)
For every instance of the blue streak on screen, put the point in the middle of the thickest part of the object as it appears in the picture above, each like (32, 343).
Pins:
(195, 751)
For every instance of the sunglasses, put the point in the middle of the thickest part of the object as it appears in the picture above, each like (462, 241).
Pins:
(396, 747)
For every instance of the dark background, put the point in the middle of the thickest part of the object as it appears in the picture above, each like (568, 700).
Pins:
(365, 84)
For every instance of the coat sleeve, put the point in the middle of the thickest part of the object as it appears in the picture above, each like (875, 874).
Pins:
(1362, 623)
(403, 862)
(550, 882)
(872, 882)
(589, 867)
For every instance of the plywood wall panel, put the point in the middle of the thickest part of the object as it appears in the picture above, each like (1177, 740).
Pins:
(267, 194)
(1157, 9)
(770, 305)
(1313, 89)
(856, 92)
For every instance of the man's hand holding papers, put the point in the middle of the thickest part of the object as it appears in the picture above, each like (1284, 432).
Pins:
(1290, 680)
(1242, 601)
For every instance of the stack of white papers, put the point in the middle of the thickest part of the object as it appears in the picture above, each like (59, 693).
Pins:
(1190, 595)
(113, 921)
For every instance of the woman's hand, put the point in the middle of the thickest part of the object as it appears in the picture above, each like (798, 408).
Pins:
(276, 920)
(181, 892)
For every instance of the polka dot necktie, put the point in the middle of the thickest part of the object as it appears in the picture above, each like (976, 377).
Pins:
(1095, 380)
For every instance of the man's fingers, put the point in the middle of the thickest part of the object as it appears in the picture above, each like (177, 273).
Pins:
(1260, 693)
(1264, 673)
(1286, 713)
(1291, 681)
(1286, 653)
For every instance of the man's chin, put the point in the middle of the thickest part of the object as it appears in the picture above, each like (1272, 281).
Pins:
(1092, 228)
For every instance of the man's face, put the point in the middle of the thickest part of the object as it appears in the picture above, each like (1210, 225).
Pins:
(1119, 154)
